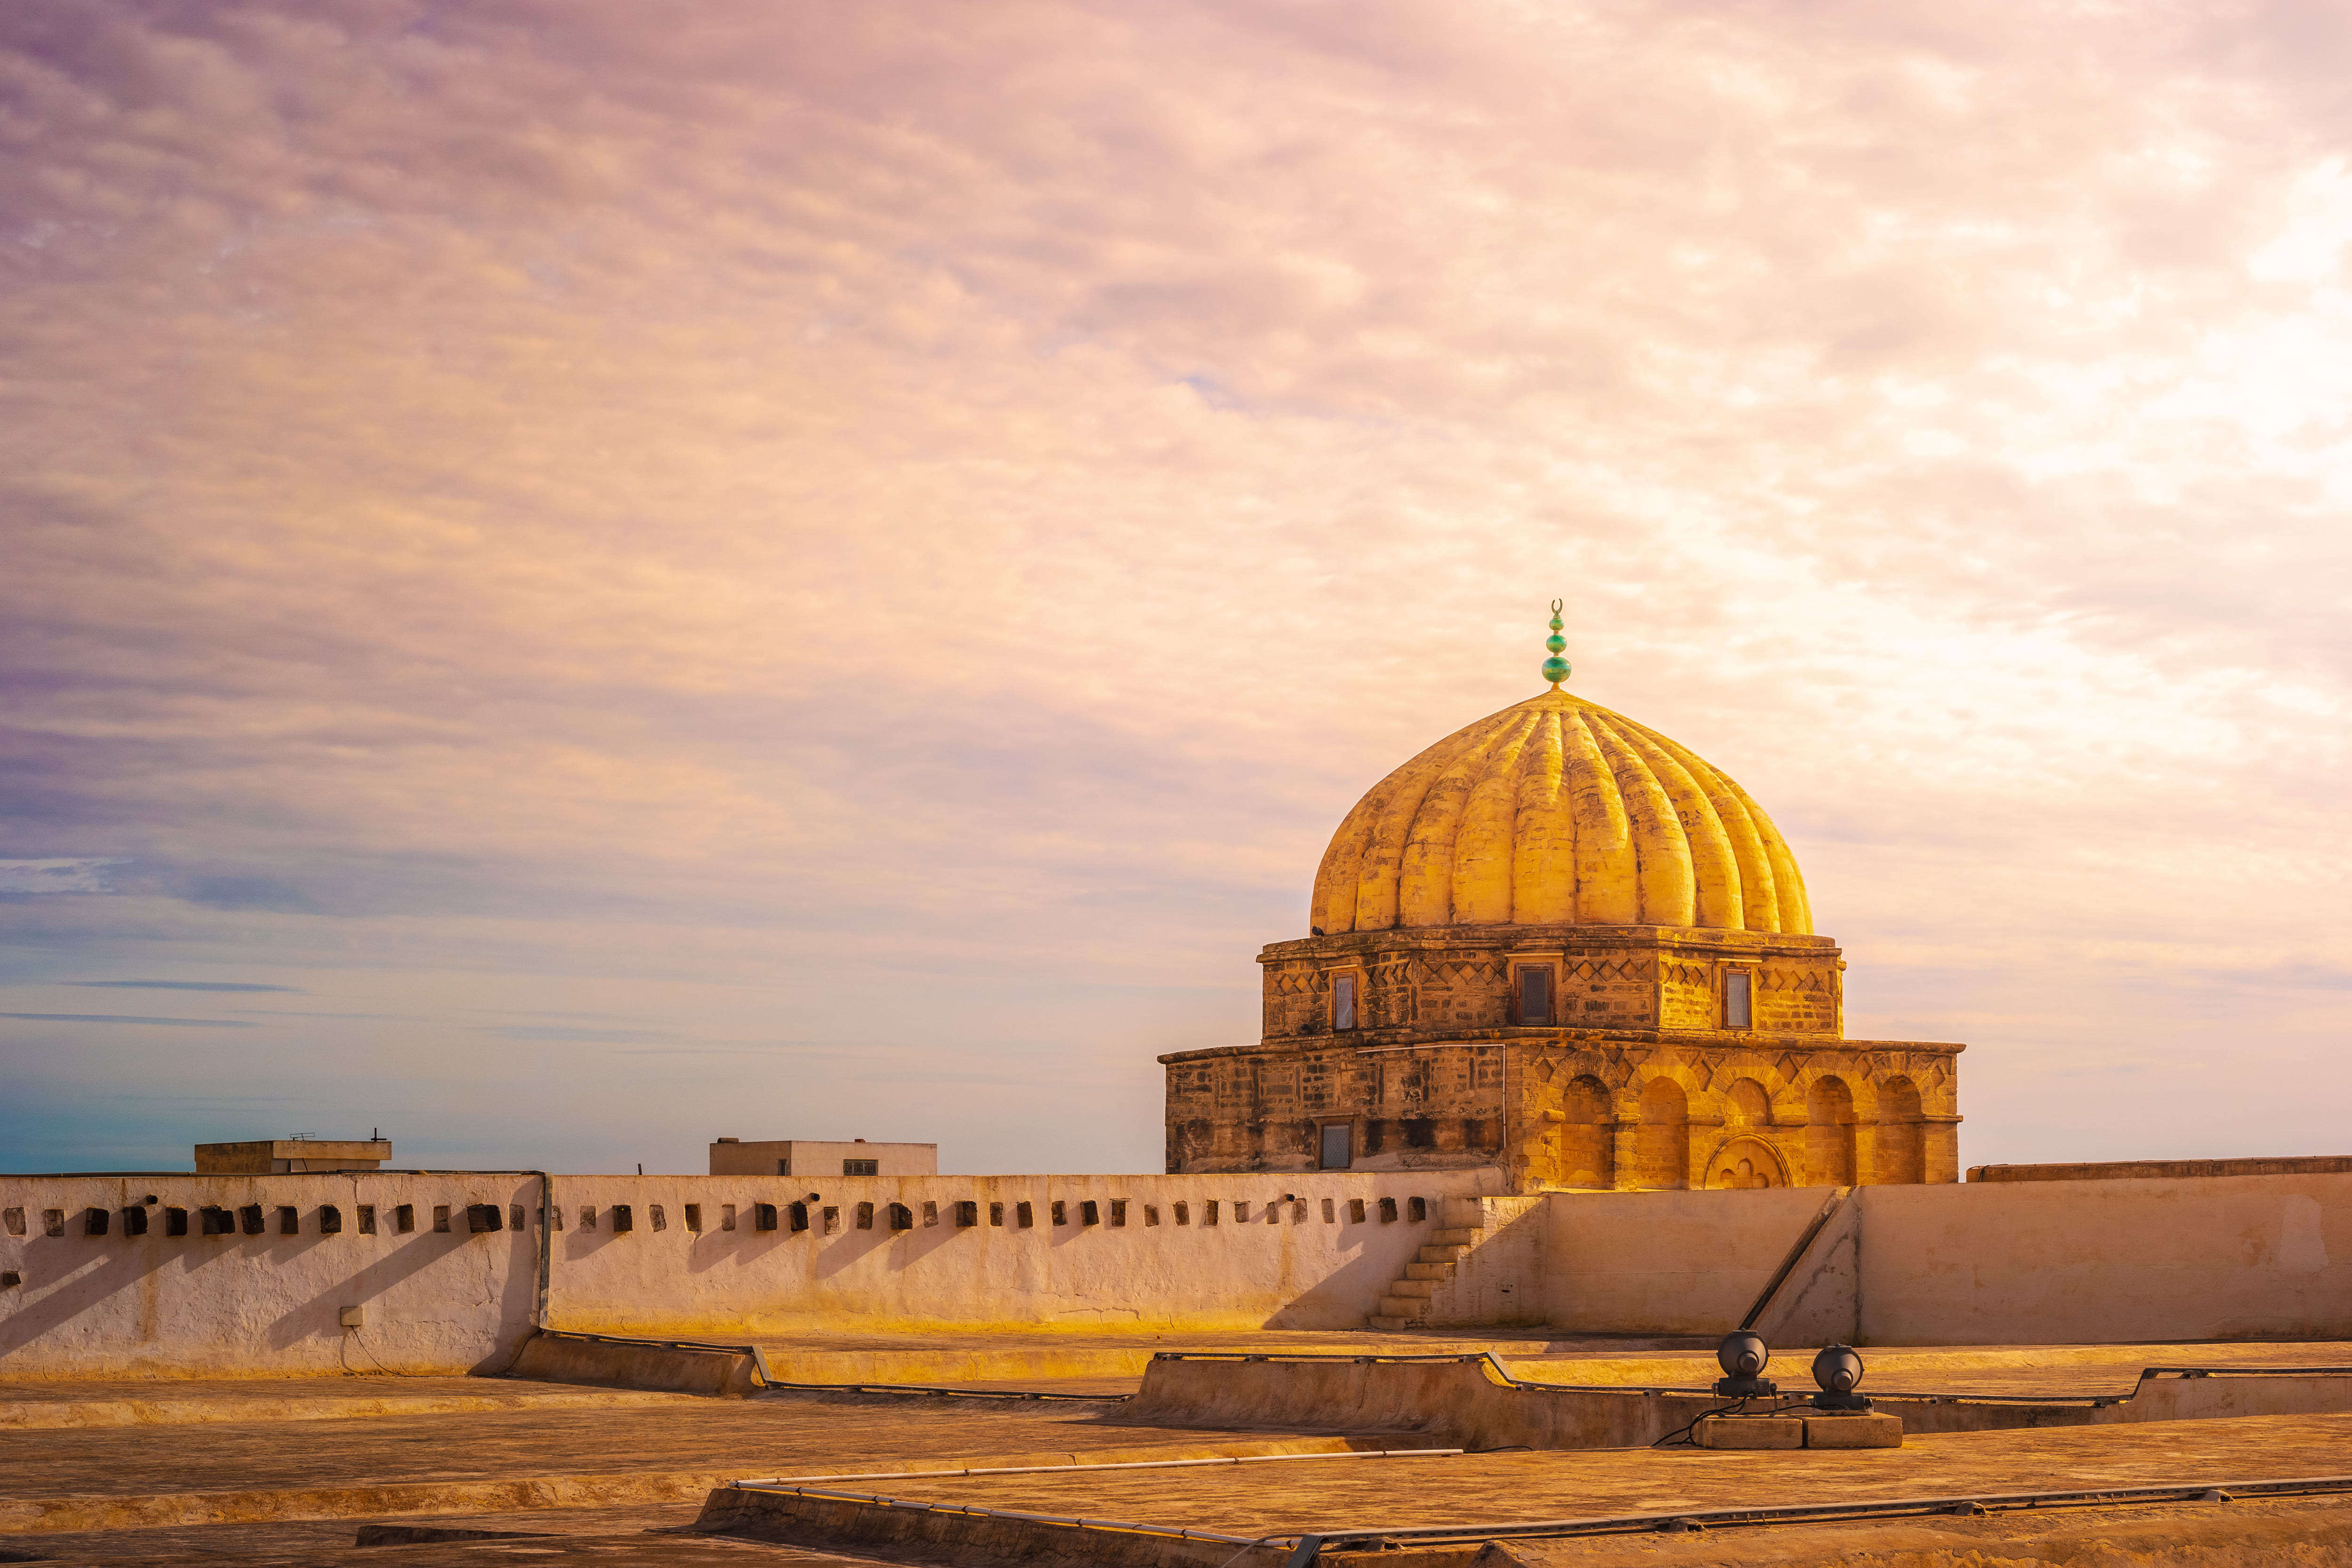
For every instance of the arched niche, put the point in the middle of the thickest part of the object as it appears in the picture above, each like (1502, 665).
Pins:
(1662, 1146)
(1829, 1133)
(1902, 1154)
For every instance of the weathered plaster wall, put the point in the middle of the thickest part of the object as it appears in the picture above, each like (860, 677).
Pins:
(2002, 1263)
(1308, 1264)
(197, 1305)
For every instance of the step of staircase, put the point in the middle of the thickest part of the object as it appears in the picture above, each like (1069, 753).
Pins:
(1455, 1236)
(1388, 1325)
(1433, 1272)
(1423, 1289)
(1403, 1308)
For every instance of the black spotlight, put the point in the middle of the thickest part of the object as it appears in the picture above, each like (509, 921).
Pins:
(1742, 1355)
(1838, 1371)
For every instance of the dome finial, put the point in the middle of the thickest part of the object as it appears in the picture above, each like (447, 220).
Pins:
(1555, 668)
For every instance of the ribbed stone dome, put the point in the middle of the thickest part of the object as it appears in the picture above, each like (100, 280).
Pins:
(1558, 812)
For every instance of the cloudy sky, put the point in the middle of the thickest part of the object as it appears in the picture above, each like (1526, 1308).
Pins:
(575, 578)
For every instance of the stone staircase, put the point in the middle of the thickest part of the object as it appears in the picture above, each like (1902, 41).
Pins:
(1406, 1305)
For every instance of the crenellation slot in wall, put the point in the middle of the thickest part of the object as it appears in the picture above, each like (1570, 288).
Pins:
(1209, 1211)
(694, 1217)
(1183, 1212)
(484, 1217)
(1061, 1213)
(53, 1221)
(1355, 1211)
(658, 1215)
(968, 1213)
(1388, 1211)
(367, 1219)
(1150, 1214)
(289, 1220)
(15, 1221)
(763, 1216)
(624, 1218)
(902, 1217)
(175, 1222)
(1330, 1211)
(1026, 1216)
(865, 1216)
(727, 1217)
(441, 1217)
(331, 1220)
(1089, 1212)
(587, 1216)
(251, 1220)
(216, 1221)
(831, 1219)
(930, 1213)
(94, 1222)
(404, 1220)
(135, 1219)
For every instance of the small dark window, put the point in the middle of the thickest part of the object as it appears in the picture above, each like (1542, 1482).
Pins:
(1339, 1140)
(997, 1213)
(1183, 1214)
(694, 1217)
(94, 1222)
(367, 1219)
(865, 1216)
(404, 1219)
(831, 1220)
(625, 1218)
(798, 1218)
(1209, 1211)
(481, 1217)
(1355, 1211)
(289, 1220)
(902, 1217)
(861, 1167)
(784, 1167)
(968, 1215)
(515, 1220)
(249, 1219)
(1119, 1211)
(1535, 993)
(218, 1222)
(15, 1221)
(1388, 1210)
(331, 1220)
(53, 1221)
(11, 1279)
(1150, 1214)
(134, 1220)
(1241, 1211)
(587, 1216)
(660, 1219)
(1024, 1215)
(1061, 1213)
(440, 1217)
(175, 1222)
(931, 1214)
(1331, 1212)
(1416, 1208)
(763, 1216)
(1089, 1214)
(727, 1217)
(1737, 1009)
(554, 1213)
(1343, 1002)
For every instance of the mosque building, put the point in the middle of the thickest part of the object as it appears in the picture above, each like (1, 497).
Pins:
(1559, 944)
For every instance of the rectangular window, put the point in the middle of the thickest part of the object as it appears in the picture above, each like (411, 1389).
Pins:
(996, 1214)
(94, 1222)
(1355, 1211)
(440, 1216)
(930, 1213)
(1209, 1211)
(1735, 1008)
(1183, 1214)
(727, 1217)
(784, 1167)
(625, 1218)
(1151, 1214)
(830, 1218)
(1119, 1211)
(15, 1222)
(865, 1216)
(587, 1216)
(289, 1220)
(175, 1222)
(694, 1217)
(331, 1220)
(1388, 1211)
(1338, 1145)
(1024, 1215)
(661, 1219)
(1330, 1211)
(1343, 1002)
(968, 1214)
(249, 1219)
(404, 1219)
(1061, 1213)
(367, 1219)
(1241, 1212)
(516, 1218)
(861, 1167)
(1535, 993)
(53, 1221)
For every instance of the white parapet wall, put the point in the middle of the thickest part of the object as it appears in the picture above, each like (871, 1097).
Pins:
(2187, 1258)
(1217, 1252)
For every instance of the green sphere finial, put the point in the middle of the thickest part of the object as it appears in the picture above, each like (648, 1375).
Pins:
(1555, 668)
